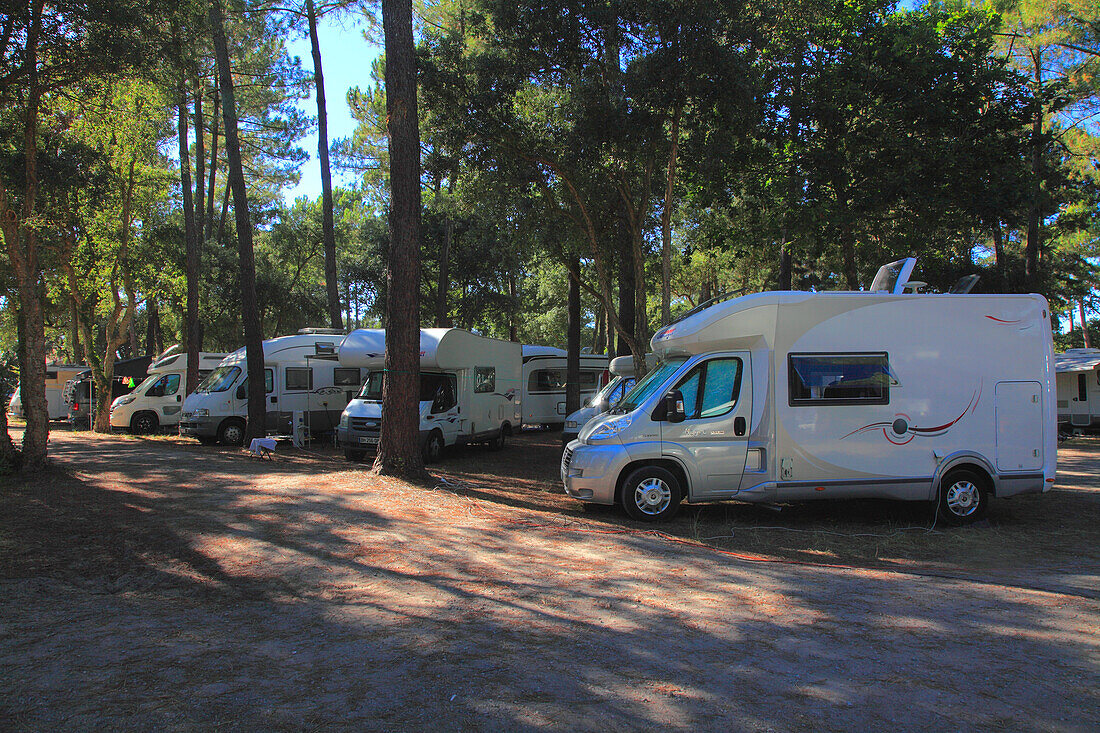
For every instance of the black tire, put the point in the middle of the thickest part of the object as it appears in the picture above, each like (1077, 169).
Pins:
(651, 494)
(355, 456)
(964, 496)
(498, 441)
(207, 440)
(231, 432)
(144, 423)
(433, 447)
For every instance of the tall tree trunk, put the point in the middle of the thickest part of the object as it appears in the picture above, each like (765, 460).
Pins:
(794, 129)
(666, 224)
(20, 238)
(151, 325)
(399, 446)
(200, 163)
(1034, 214)
(327, 226)
(208, 227)
(513, 326)
(998, 246)
(1084, 324)
(626, 292)
(74, 334)
(253, 337)
(573, 350)
(599, 337)
(192, 242)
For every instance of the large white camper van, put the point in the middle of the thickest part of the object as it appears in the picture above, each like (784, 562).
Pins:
(622, 381)
(469, 390)
(57, 376)
(786, 396)
(1078, 388)
(544, 379)
(301, 377)
(157, 402)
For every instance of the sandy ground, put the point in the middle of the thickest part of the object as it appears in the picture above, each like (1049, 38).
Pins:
(154, 584)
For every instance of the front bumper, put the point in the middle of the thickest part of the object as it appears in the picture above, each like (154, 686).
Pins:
(590, 472)
(350, 438)
(200, 427)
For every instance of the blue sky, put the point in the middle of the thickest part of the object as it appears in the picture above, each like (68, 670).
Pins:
(346, 58)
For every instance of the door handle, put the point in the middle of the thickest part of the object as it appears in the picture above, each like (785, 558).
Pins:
(739, 426)
(179, 398)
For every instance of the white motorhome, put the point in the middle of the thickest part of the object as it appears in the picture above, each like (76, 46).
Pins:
(544, 381)
(57, 376)
(1078, 381)
(622, 381)
(301, 378)
(786, 396)
(157, 402)
(469, 390)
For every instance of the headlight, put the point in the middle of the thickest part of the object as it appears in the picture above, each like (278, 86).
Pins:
(125, 399)
(201, 412)
(570, 423)
(343, 419)
(611, 428)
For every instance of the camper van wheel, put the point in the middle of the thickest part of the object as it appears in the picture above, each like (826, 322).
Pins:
(497, 442)
(964, 497)
(144, 423)
(651, 494)
(433, 447)
(231, 432)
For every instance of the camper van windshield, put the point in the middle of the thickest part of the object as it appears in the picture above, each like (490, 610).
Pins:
(140, 389)
(429, 386)
(652, 382)
(220, 379)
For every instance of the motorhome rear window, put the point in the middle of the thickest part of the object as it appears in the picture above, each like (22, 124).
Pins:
(554, 380)
(838, 379)
(345, 377)
(299, 379)
(485, 379)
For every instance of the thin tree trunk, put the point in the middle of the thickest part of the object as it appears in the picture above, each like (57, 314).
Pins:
(152, 323)
(200, 163)
(327, 226)
(666, 224)
(209, 226)
(626, 294)
(1084, 324)
(1031, 250)
(399, 447)
(998, 246)
(599, 340)
(444, 283)
(192, 245)
(573, 351)
(74, 335)
(513, 325)
(253, 338)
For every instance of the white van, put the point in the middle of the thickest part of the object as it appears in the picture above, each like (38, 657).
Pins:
(544, 380)
(1078, 380)
(469, 390)
(57, 376)
(622, 381)
(786, 396)
(158, 401)
(301, 377)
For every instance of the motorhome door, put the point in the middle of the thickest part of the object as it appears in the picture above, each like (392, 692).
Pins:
(713, 439)
(1080, 408)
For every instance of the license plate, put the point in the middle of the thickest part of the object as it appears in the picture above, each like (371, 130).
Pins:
(369, 441)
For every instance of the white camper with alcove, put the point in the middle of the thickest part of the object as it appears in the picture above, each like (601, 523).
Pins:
(157, 402)
(1078, 389)
(544, 382)
(303, 381)
(787, 396)
(469, 390)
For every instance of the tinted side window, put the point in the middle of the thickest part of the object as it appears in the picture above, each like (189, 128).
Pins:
(485, 379)
(838, 379)
(1082, 388)
(711, 389)
(171, 384)
(269, 380)
(345, 377)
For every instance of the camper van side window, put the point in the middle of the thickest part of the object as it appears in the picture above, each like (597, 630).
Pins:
(299, 379)
(711, 389)
(345, 376)
(1082, 388)
(838, 379)
(485, 379)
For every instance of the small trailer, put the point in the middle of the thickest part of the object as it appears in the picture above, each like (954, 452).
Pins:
(57, 376)
(790, 396)
(1078, 380)
(157, 402)
(305, 388)
(469, 391)
(544, 382)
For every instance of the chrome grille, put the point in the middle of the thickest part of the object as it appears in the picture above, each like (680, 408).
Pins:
(566, 457)
(366, 424)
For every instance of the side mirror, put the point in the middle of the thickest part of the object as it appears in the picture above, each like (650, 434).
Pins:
(674, 406)
(242, 392)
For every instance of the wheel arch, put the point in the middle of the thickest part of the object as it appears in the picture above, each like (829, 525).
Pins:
(965, 460)
(669, 464)
(141, 413)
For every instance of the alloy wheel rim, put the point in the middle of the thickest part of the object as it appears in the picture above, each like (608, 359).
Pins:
(963, 498)
(652, 496)
(233, 434)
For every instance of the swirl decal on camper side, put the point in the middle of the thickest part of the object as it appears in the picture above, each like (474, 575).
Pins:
(1003, 321)
(900, 431)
